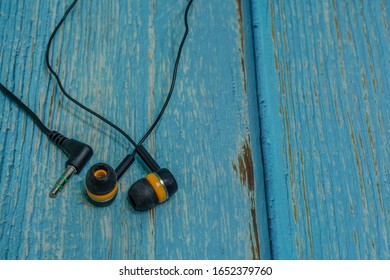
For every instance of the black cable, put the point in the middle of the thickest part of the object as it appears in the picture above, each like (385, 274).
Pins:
(37, 121)
(172, 87)
(166, 102)
(62, 87)
(78, 153)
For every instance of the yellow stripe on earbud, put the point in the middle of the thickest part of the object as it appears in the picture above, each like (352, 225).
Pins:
(104, 197)
(158, 187)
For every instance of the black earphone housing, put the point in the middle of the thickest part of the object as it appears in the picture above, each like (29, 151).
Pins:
(156, 188)
(168, 179)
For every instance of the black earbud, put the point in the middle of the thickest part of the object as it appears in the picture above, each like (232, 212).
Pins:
(154, 189)
(101, 184)
(157, 187)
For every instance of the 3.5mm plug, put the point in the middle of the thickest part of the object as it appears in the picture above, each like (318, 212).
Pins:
(61, 182)
(78, 154)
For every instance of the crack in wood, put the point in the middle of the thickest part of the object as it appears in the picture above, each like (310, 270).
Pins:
(246, 173)
(241, 31)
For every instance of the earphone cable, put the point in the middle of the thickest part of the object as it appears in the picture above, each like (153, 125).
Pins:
(173, 81)
(78, 153)
(36, 119)
(62, 87)
(166, 102)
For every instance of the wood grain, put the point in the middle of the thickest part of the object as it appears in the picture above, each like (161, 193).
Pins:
(322, 71)
(117, 57)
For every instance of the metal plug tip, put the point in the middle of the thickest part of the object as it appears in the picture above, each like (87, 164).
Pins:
(61, 182)
(54, 192)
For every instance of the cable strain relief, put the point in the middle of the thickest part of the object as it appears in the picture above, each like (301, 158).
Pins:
(57, 138)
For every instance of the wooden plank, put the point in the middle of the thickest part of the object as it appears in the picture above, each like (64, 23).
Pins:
(322, 69)
(117, 57)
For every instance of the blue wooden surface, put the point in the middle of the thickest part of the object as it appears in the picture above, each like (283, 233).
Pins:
(323, 82)
(117, 57)
(314, 76)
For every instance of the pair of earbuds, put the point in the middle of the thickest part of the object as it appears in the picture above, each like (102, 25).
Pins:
(159, 185)
(101, 180)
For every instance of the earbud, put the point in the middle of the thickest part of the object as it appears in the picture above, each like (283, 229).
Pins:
(101, 181)
(154, 189)
(157, 187)
(101, 184)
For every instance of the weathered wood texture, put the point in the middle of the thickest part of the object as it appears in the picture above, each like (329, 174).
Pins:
(117, 57)
(323, 80)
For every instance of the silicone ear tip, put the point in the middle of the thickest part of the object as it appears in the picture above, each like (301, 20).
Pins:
(142, 196)
(100, 179)
(101, 184)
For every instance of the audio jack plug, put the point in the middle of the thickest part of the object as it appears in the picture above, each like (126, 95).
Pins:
(78, 155)
(77, 152)
(61, 182)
